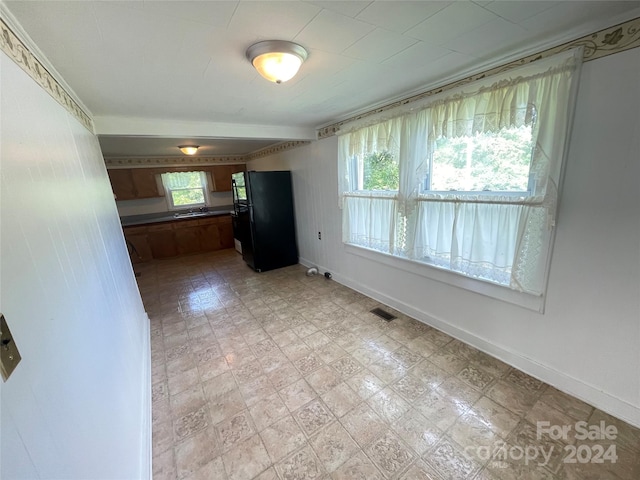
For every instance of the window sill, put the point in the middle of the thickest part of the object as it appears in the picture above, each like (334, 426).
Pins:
(498, 292)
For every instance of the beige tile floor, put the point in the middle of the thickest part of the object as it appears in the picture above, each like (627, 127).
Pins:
(282, 376)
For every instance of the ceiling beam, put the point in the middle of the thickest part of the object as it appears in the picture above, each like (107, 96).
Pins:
(146, 127)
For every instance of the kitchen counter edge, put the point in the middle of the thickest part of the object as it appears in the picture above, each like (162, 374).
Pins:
(148, 218)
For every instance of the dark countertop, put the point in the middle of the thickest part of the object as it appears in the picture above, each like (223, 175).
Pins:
(131, 220)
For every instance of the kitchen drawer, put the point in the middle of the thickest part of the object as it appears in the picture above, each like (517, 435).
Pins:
(160, 227)
(135, 230)
(209, 221)
(185, 224)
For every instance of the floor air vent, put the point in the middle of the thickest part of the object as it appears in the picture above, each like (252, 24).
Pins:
(382, 314)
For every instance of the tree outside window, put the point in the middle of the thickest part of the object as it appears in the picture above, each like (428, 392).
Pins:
(381, 172)
(487, 161)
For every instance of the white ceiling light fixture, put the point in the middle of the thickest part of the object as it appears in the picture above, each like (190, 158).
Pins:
(277, 60)
(189, 149)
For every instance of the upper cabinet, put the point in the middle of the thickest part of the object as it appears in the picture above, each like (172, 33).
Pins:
(132, 183)
(221, 176)
(144, 181)
(122, 184)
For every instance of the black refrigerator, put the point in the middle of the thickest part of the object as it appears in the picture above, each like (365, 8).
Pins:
(263, 207)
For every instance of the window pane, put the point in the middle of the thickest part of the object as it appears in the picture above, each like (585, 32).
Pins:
(380, 172)
(189, 196)
(182, 180)
(492, 161)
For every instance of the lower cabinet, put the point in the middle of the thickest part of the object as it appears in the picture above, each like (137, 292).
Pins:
(188, 235)
(162, 242)
(180, 237)
(226, 235)
(138, 244)
(210, 238)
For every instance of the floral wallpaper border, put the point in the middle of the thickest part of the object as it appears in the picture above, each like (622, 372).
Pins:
(123, 162)
(618, 38)
(117, 162)
(280, 147)
(21, 55)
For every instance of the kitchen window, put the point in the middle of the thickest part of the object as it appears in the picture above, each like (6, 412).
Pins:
(467, 182)
(185, 189)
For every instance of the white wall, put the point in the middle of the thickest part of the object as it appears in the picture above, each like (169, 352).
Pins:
(77, 406)
(141, 206)
(587, 341)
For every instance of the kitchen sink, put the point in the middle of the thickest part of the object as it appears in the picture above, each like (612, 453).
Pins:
(190, 214)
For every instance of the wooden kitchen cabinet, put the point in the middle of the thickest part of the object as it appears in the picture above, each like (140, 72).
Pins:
(210, 234)
(132, 183)
(187, 234)
(162, 241)
(137, 244)
(144, 182)
(221, 176)
(122, 184)
(225, 228)
(180, 237)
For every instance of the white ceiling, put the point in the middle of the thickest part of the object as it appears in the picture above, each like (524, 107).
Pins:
(177, 69)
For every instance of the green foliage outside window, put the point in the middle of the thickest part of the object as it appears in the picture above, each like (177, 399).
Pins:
(487, 161)
(492, 161)
(381, 172)
(188, 197)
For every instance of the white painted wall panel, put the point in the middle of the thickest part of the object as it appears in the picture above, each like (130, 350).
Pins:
(21, 466)
(587, 341)
(77, 405)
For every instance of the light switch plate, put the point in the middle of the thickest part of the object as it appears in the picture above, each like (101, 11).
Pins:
(9, 355)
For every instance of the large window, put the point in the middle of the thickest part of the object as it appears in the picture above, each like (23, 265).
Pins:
(185, 189)
(467, 182)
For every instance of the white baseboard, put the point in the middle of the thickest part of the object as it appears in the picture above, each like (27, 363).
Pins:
(566, 383)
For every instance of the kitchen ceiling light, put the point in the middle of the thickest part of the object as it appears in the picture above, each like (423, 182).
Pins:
(189, 149)
(277, 60)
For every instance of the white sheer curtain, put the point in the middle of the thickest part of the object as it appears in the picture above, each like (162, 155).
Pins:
(375, 219)
(369, 220)
(476, 239)
(500, 238)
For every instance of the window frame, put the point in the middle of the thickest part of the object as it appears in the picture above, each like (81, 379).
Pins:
(449, 277)
(426, 183)
(531, 225)
(204, 186)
